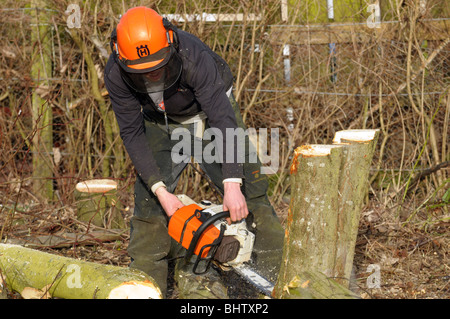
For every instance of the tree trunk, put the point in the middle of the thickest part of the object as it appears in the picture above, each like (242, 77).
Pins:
(353, 187)
(3, 291)
(328, 186)
(97, 203)
(68, 278)
(311, 223)
(41, 71)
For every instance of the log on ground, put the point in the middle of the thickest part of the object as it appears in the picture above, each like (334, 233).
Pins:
(69, 278)
(65, 239)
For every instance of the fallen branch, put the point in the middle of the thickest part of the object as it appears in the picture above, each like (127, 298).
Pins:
(425, 173)
(63, 240)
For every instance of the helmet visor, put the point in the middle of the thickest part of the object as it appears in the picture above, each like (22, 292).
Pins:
(155, 79)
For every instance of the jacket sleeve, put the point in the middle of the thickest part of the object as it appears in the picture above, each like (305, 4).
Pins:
(210, 92)
(127, 110)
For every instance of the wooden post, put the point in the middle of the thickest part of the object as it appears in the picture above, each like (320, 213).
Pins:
(328, 186)
(36, 274)
(41, 72)
(97, 203)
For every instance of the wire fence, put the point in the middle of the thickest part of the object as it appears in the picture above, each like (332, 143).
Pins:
(287, 75)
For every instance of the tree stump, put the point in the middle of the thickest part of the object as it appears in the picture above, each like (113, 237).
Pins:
(36, 274)
(312, 220)
(353, 187)
(328, 186)
(97, 203)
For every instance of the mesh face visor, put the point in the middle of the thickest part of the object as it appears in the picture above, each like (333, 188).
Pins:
(155, 79)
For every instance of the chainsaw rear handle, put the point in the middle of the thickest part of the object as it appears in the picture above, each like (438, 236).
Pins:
(195, 238)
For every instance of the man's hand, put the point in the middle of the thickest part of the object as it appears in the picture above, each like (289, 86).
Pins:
(234, 202)
(169, 202)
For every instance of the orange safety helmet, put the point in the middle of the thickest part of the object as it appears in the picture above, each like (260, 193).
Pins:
(144, 45)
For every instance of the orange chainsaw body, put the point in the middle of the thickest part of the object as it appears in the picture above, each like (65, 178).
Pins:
(185, 222)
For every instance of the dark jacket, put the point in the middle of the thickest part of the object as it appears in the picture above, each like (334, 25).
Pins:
(203, 84)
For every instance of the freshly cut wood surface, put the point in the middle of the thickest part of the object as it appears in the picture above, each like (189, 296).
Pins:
(96, 186)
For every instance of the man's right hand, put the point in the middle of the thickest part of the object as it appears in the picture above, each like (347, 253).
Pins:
(234, 202)
(169, 202)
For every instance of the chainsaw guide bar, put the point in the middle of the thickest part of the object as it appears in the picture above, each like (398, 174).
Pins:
(258, 281)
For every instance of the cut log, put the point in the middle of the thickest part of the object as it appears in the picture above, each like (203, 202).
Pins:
(69, 278)
(328, 187)
(97, 203)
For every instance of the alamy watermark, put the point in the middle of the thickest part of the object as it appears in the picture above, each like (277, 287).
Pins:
(74, 18)
(74, 279)
(374, 279)
(374, 19)
(236, 149)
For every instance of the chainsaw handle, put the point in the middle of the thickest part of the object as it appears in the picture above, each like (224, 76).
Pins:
(211, 220)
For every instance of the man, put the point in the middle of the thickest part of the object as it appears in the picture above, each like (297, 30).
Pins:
(160, 79)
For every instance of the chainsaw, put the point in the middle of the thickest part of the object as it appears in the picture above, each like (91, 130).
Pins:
(203, 230)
